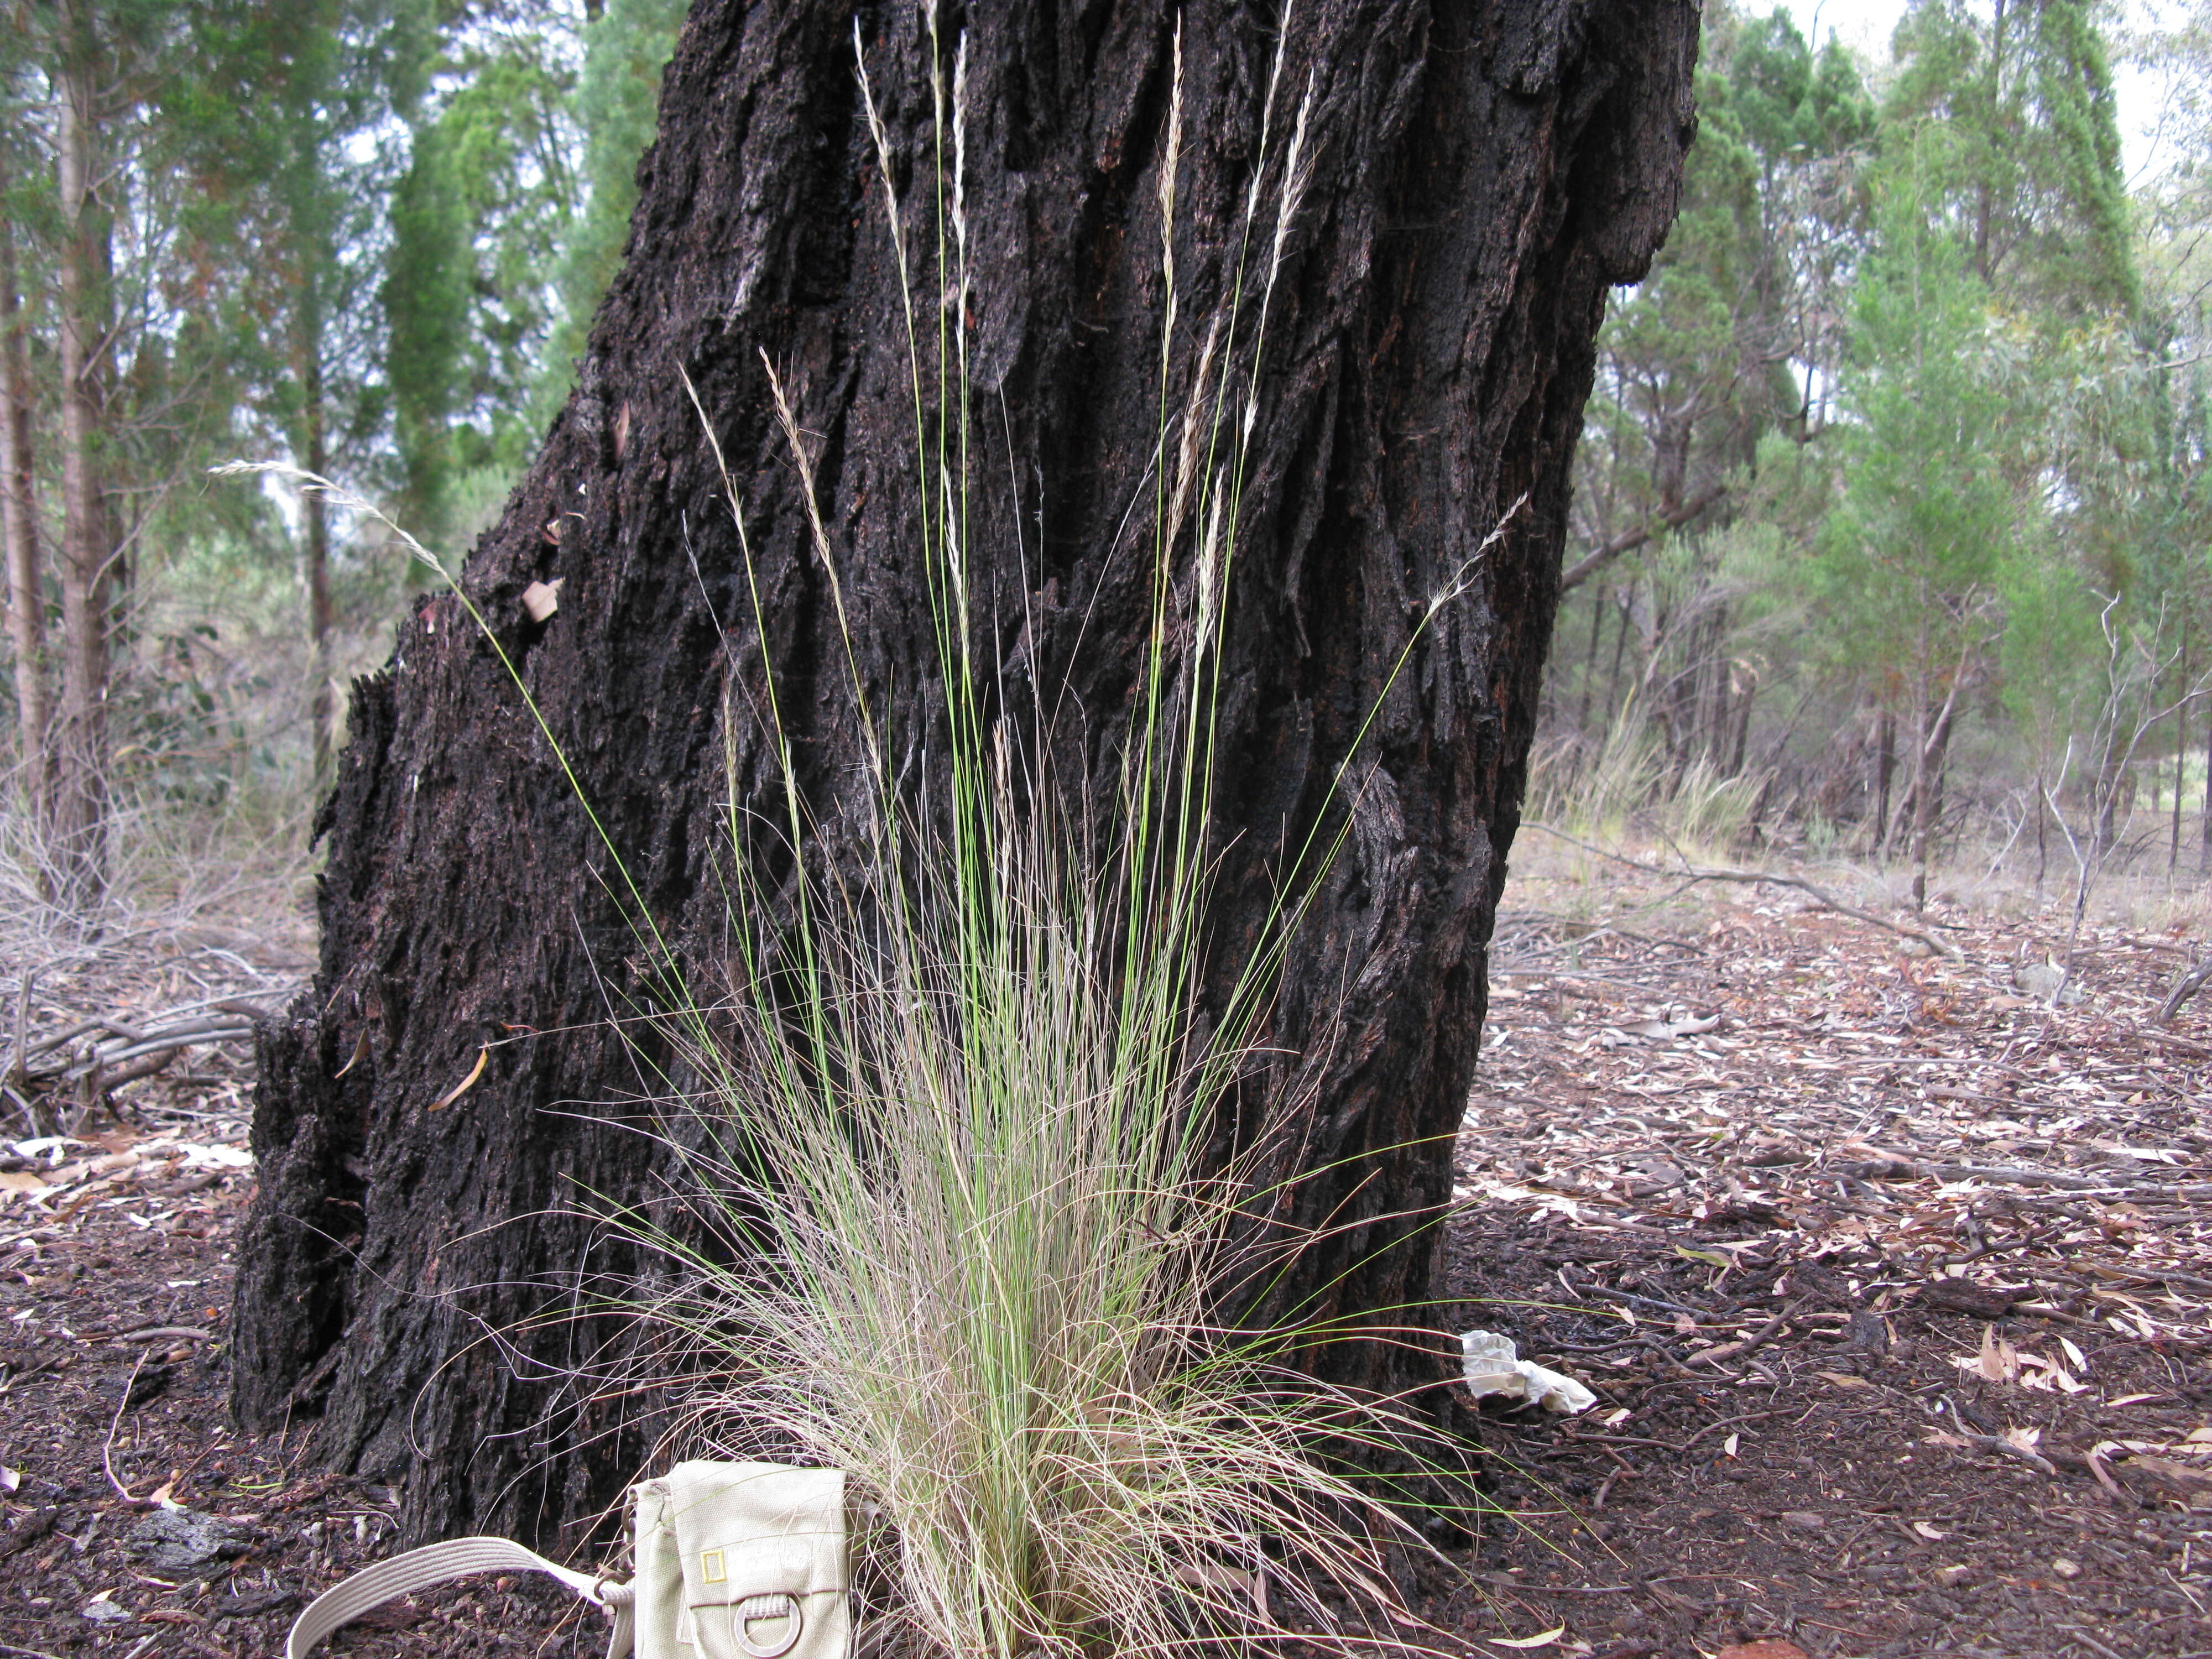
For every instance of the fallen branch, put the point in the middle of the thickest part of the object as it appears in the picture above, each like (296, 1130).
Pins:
(1584, 1439)
(2161, 1342)
(1691, 875)
(2184, 988)
(1998, 1444)
(232, 1017)
(2181, 1045)
(131, 1044)
(157, 1042)
(2128, 1276)
(1903, 1166)
(1961, 1429)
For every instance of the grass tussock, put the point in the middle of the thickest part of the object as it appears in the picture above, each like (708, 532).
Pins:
(979, 1262)
(954, 1224)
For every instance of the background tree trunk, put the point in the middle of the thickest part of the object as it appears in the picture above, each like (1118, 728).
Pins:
(79, 752)
(322, 704)
(1482, 174)
(19, 534)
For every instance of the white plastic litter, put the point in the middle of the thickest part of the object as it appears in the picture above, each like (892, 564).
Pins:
(50, 1147)
(1493, 1368)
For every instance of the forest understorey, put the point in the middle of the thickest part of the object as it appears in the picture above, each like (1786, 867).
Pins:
(1890, 1278)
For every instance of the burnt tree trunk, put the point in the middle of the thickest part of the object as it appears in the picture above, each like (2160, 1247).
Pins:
(1482, 174)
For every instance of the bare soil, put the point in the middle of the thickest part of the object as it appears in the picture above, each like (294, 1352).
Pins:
(1890, 1278)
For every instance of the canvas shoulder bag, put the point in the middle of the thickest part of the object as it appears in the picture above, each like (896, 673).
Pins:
(733, 1561)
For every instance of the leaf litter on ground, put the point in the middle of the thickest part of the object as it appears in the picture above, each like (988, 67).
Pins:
(1971, 1228)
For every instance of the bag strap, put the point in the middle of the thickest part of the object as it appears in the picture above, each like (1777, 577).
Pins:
(438, 1564)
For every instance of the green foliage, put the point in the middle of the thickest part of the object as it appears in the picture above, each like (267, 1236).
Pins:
(1705, 354)
(2031, 175)
(476, 224)
(1908, 558)
(507, 228)
(1791, 102)
(335, 230)
(1717, 369)
(616, 103)
(1994, 464)
(2049, 649)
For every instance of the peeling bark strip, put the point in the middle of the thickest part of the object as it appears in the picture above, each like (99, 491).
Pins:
(1482, 174)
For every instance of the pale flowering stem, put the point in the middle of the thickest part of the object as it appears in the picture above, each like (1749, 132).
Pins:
(956, 550)
(820, 536)
(882, 140)
(1194, 410)
(1209, 586)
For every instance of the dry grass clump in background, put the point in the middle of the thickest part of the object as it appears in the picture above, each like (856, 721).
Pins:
(1621, 788)
(210, 779)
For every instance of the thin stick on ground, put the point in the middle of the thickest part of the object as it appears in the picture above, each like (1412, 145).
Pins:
(115, 1424)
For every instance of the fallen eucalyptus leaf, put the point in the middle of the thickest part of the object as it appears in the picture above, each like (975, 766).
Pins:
(465, 1085)
(1543, 1640)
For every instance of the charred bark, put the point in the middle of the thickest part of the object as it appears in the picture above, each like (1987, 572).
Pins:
(1482, 174)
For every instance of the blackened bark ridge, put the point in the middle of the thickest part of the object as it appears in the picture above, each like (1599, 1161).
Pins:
(1482, 173)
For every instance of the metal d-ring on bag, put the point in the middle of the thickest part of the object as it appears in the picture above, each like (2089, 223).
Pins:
(734, 1561)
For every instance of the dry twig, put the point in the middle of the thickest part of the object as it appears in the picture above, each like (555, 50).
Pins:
(1690, 875)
